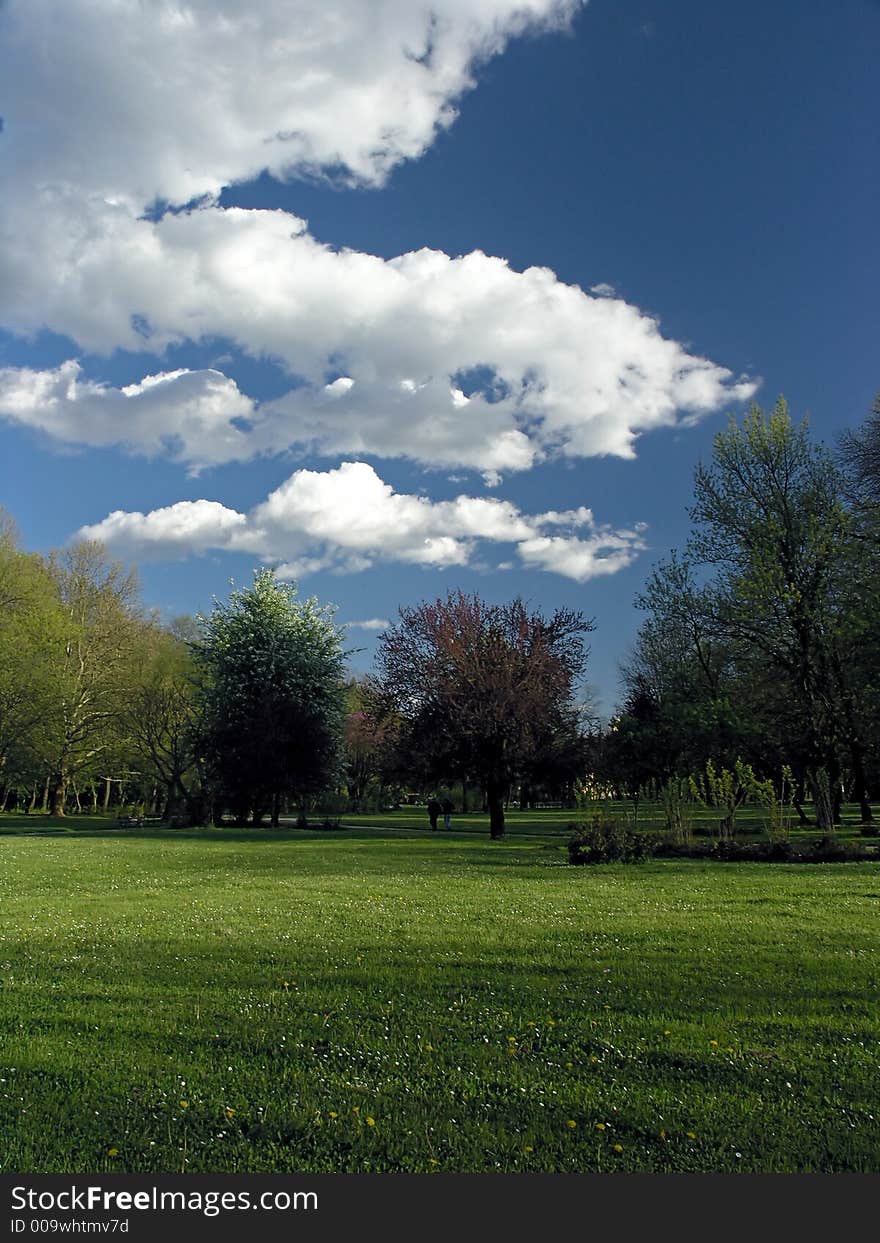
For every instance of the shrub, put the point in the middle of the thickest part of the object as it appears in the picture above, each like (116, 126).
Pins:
(606, 840)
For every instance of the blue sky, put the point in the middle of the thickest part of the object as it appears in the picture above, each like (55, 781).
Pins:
(639, 214)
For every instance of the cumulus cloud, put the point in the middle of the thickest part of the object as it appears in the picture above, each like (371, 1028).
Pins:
(349, 518)
(110, 105)
(197, 417)
(138, 100)
(447, 361)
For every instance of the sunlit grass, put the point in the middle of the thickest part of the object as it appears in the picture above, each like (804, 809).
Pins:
(223, 1001)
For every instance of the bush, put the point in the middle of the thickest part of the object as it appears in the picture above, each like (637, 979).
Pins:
(777, 850)
(606, 840)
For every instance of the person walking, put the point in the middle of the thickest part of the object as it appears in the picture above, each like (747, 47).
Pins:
(434, 810)
(448, 808)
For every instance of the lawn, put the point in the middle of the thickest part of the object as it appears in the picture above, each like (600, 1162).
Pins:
(359, 1000)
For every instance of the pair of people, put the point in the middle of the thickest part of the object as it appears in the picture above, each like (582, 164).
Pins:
(435, 809)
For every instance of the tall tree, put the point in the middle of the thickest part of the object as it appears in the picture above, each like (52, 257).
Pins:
(476, 688)
(769, 521)
(273, 697)
(161, 719)
(91, 663)
(29, 627)
(861, 457)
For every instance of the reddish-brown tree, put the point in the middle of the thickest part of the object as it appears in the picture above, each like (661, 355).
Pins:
(477, 687)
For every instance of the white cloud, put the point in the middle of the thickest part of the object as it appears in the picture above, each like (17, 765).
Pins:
(109, 104)
(370, 623)
(347, 519)
(190, 415)
(134, 100)
(557, 371)
(175, 531)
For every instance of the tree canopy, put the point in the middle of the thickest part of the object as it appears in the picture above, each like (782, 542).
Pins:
(271, 673)
(477, 689)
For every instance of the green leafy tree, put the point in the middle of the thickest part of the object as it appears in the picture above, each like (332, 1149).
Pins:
(769, 521)
(91, 662)
(272, 696)
(29, 629)
(161, 719)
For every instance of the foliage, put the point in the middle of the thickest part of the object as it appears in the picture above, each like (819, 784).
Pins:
(477, 690)
(728, 789)
(678, 804)
(272, 697)
(606, 839)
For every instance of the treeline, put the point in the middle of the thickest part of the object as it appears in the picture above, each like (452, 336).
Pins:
(101, 704)
(756, 668)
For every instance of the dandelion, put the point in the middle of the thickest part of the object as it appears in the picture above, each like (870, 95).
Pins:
(333, 1114)
(618, 1147)
(600, 1126)
(569, 1065)
(371, 1121)
(528, 1148)
(184, 1104)
(692, 1135)
(662, 1134)
(355, 1109)
(112, 1152)
(667, 1032)
(593, 1059)
(571, 1123)
(230, 1112)
(713, 1044)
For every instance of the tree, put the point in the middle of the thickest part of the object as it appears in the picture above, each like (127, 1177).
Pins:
(272, 696)
(861, 457)
(366, 739)
(91, 663)
(29, 626)
(769, 520)
(161, 719)
(475, 689)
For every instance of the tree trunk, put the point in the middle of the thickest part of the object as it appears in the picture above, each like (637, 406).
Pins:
(56, 794)
(495, 801)
(859, 781)
(276, 809)
(823, 801)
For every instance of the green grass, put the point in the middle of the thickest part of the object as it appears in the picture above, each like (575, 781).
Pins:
(242, 1002)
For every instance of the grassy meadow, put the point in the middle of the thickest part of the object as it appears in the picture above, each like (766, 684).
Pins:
(388, 999)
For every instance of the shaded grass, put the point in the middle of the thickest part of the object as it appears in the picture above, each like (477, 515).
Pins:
(213, 1001)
